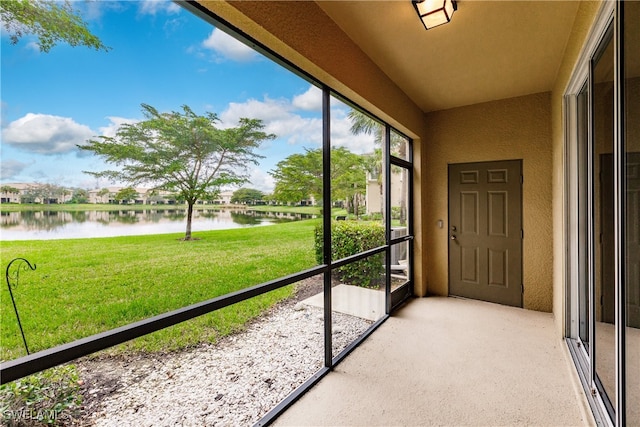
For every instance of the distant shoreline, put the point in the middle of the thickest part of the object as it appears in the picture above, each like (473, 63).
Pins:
(12, 207)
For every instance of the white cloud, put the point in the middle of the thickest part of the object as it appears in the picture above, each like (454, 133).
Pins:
(260, 180)
(311, 100)
(11, 168)
(153, 7)
(115, 123)
(228, 47)
(298, 130)
(341, 135)
(267, 110)
(278, 119)
(95, 10)
(172, 26)
(45, 134)
(34, 46)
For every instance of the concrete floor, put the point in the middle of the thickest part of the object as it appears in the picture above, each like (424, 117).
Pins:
(447, 361)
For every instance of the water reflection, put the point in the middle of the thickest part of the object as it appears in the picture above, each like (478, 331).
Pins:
(38, 225)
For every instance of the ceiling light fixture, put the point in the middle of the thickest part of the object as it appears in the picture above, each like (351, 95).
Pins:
(435, 12)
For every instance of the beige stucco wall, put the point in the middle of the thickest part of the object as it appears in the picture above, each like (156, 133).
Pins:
(516, 128)
(582, 24)
(530, 128)
(303, 34)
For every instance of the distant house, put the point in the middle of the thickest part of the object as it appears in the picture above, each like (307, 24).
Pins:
(50, 194)
(311, 201)
(145, 196)
(10, 193)
(224, 198)
(20, 192)
(103, 195)
(374, 197)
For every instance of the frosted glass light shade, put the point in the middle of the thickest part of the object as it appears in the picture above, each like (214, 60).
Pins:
(435, 12)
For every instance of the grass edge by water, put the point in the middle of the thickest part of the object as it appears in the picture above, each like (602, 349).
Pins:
(295, 253)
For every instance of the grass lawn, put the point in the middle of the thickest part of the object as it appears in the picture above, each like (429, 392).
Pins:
(311, 210)
(85, 286)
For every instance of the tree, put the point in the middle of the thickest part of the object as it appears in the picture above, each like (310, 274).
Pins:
(299, 176)
(80, 196)
(247, 196)
(363, 124)
(125, 195)
(9, 189)
(50, 21)
(154, 196)
(64, 193)
(103, 192)
(181, 152)
(43, 193)
(348, 178)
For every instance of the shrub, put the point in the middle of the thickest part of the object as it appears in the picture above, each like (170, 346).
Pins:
(41, 398)
(349, 238)
(376, 216)
(396, 212)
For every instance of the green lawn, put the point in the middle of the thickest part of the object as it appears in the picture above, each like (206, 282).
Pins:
(85, 286)
(311, 210)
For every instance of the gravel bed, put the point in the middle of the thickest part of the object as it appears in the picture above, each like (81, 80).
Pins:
(231, 383)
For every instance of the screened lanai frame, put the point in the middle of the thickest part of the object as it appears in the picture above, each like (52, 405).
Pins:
(578, 231)
(33, 363)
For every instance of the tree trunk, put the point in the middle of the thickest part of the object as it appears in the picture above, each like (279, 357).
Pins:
(187, 234)
(403, 198)
(404, 214)
(356, 206)
(382, 201)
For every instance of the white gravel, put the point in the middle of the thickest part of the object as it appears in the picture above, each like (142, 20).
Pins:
(232, 383)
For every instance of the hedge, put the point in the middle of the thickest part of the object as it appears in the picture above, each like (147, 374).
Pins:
(350, 238)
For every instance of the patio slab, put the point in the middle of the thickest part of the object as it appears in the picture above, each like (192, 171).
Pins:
(447, 361)
(353, 300)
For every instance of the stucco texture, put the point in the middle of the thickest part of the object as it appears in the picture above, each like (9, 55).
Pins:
(516, 128)
(528, 128)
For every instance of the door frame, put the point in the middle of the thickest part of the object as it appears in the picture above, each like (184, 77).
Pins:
(521, 219)
(609, 18)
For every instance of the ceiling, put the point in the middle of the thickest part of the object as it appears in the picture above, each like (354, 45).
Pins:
(490, 50)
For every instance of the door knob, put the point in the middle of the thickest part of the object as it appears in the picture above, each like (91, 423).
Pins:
(453, 228)
(453, 237)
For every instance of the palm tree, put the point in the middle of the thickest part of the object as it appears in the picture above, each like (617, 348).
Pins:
(7, 189)
(364, 124)
(102, 193)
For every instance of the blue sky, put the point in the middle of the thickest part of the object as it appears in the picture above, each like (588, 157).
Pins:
(160, 55)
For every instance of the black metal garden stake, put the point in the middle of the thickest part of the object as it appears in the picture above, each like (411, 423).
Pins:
(16, 277)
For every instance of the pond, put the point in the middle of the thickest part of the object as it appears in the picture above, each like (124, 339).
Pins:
(44, 225)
